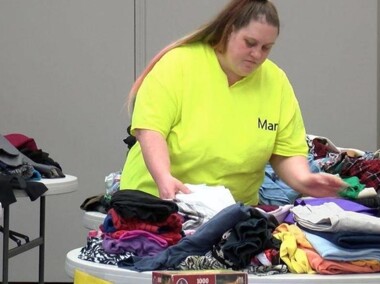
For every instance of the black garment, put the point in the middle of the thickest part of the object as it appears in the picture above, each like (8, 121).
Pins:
(130, 140)
(34, 189)
(371, 202)
(7, 196)
(94, 203)
(130, 203)
(247, 239)
(40, 157)
(9, 183)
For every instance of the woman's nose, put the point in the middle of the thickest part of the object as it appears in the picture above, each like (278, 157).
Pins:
(256, 52)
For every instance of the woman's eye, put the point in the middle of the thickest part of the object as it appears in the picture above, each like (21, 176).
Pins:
(249, 43)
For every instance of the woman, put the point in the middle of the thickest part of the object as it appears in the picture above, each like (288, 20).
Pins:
(212, 109)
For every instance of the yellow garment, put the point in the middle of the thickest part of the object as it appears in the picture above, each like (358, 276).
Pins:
(291, 252)
(81, 277)
(216, 134)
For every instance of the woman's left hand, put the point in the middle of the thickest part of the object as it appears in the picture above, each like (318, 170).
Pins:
(322, 185)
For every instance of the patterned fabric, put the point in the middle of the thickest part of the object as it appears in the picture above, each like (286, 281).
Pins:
(266, 270)
(25, 170)
(193, 217)
(94, 252)
(368, 171)
(198, 262)
(366, 167)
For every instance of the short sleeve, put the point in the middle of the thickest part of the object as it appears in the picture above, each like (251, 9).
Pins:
(158, 99)
(291, 137)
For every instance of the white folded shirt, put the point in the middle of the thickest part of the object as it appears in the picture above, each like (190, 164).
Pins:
(215, 198)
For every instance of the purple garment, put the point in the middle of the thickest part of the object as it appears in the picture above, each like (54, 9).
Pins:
(139, 242)
(345, 204)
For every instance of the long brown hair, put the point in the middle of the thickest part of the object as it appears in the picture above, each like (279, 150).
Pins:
(235, 15)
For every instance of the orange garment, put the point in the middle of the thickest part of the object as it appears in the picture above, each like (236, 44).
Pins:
(320, 265)
(324, 266)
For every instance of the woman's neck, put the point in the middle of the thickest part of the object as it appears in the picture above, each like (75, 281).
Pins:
(232, 77)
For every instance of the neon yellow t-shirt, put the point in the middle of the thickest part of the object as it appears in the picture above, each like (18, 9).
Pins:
(217, 134)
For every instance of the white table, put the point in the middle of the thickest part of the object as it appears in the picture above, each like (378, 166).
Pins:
(121, 276)
(55, 186)
(92, 220)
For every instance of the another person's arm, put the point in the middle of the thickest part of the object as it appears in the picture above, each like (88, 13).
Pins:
(156, 156)
(295, 172)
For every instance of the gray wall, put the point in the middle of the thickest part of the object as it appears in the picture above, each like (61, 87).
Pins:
(67, 65)
(378, 72)
(329, 51)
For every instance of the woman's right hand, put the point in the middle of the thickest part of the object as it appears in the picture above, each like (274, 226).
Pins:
(169, 186)
(156, 156)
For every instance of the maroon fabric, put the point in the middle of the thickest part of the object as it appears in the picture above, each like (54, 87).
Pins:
(20, 141)
(267, 208)
(368, 171)
(170, 229)
(320, 149)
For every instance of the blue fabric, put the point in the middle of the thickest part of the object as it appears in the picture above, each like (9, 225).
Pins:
(36, 176)
(349, 240)
(199, 243)
(330, 251)
(313, 165)
(107, 225)
(274, 191)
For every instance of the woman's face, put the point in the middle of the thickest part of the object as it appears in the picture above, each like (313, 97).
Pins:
(247, 49)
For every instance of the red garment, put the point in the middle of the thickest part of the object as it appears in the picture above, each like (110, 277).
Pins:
(170, 229)
(368, 171)
(321, 148)
(20, 141)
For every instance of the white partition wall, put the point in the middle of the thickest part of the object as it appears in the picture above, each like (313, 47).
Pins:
(167, 20)
(329, 50)
(378, 73)
(67, 66)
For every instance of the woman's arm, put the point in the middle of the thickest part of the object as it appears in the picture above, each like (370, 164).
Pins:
(295, 172)
(156, 156)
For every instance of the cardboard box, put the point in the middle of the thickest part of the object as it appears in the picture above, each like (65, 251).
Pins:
(199, 277)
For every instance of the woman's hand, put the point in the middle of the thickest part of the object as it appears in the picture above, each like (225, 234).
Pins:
(295, 172)
(169, 186)
(322, 185)
(155, 152)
